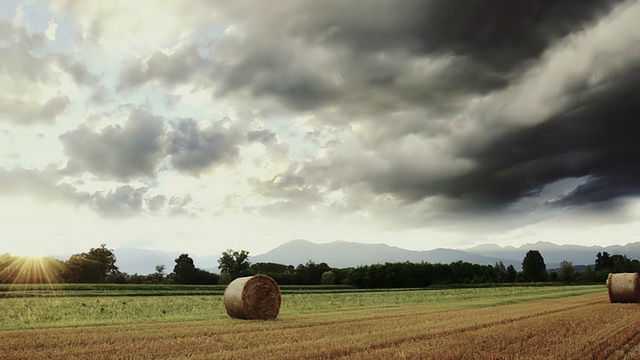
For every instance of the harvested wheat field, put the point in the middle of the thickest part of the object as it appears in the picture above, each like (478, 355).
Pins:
(555, 327)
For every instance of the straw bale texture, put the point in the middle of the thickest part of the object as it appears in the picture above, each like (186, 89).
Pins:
(624, 287)
(253, 297)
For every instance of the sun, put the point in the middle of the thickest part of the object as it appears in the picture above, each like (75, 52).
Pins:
(31, 270)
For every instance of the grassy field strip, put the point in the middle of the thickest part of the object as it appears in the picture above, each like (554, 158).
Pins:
(570, 328)
(89, 290)
(38, 312)
(20, 313)
(481, 297)
(102, 290)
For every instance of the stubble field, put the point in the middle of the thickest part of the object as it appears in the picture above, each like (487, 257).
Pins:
(495, 323)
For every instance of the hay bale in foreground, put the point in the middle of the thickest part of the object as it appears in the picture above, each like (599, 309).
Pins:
(253, 297)
(624, 287)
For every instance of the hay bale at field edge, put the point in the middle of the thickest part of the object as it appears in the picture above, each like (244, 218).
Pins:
(624, 287)
(253, 298)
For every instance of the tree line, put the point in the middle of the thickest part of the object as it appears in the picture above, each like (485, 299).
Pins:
(98, 265)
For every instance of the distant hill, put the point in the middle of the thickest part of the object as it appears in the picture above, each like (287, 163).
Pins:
(341, 254)
(553, 254)
(143, 262)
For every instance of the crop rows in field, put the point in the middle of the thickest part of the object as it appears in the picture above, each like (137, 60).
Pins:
(576, 327)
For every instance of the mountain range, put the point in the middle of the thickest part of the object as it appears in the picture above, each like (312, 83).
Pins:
(341, 254)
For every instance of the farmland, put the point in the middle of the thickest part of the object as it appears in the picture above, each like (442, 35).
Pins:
(509, 322)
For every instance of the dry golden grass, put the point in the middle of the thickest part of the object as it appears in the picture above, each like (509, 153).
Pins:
(577, 327)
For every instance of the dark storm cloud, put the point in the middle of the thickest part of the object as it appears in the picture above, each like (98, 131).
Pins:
(572, 115)
(366, 58)
(498, 33)
(117, 152)
(407, 77)
(597, 139)
(600, 192)
(312, 54)
(194, 149)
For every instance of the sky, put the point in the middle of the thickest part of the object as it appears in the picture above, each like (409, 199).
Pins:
(206, 125)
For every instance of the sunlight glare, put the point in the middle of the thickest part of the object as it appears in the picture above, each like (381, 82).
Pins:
(30, 270)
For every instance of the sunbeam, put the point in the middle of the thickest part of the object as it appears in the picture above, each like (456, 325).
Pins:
(30, 270)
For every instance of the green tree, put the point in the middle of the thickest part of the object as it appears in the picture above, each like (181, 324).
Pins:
(204, 277)
(621, 263)
(588, 276)
(185, 272)
(567, 272)
(310, 273)
(234, 263)
(95, 266)
(533, 266)
(501, 271)
(157, 277)
(604, 262)
(512, 274)
(160, 270)
(282, 274)
(328, 278)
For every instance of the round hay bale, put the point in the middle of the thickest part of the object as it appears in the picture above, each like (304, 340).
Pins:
(624, 287)
(253, 297)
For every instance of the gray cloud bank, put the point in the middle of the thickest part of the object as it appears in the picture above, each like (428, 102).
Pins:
(482, 103)
(476, 104)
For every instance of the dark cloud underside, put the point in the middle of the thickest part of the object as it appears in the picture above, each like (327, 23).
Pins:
(117, 152)
(194, 149)
(597, 139)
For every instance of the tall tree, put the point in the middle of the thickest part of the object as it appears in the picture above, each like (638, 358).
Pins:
(311, 273)
(533, 266)
(234, 263)
(94, 266)
(512, 273)
(157, 277)
(567, 272)
(501, 271)
(604, 262)
(185, 271)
